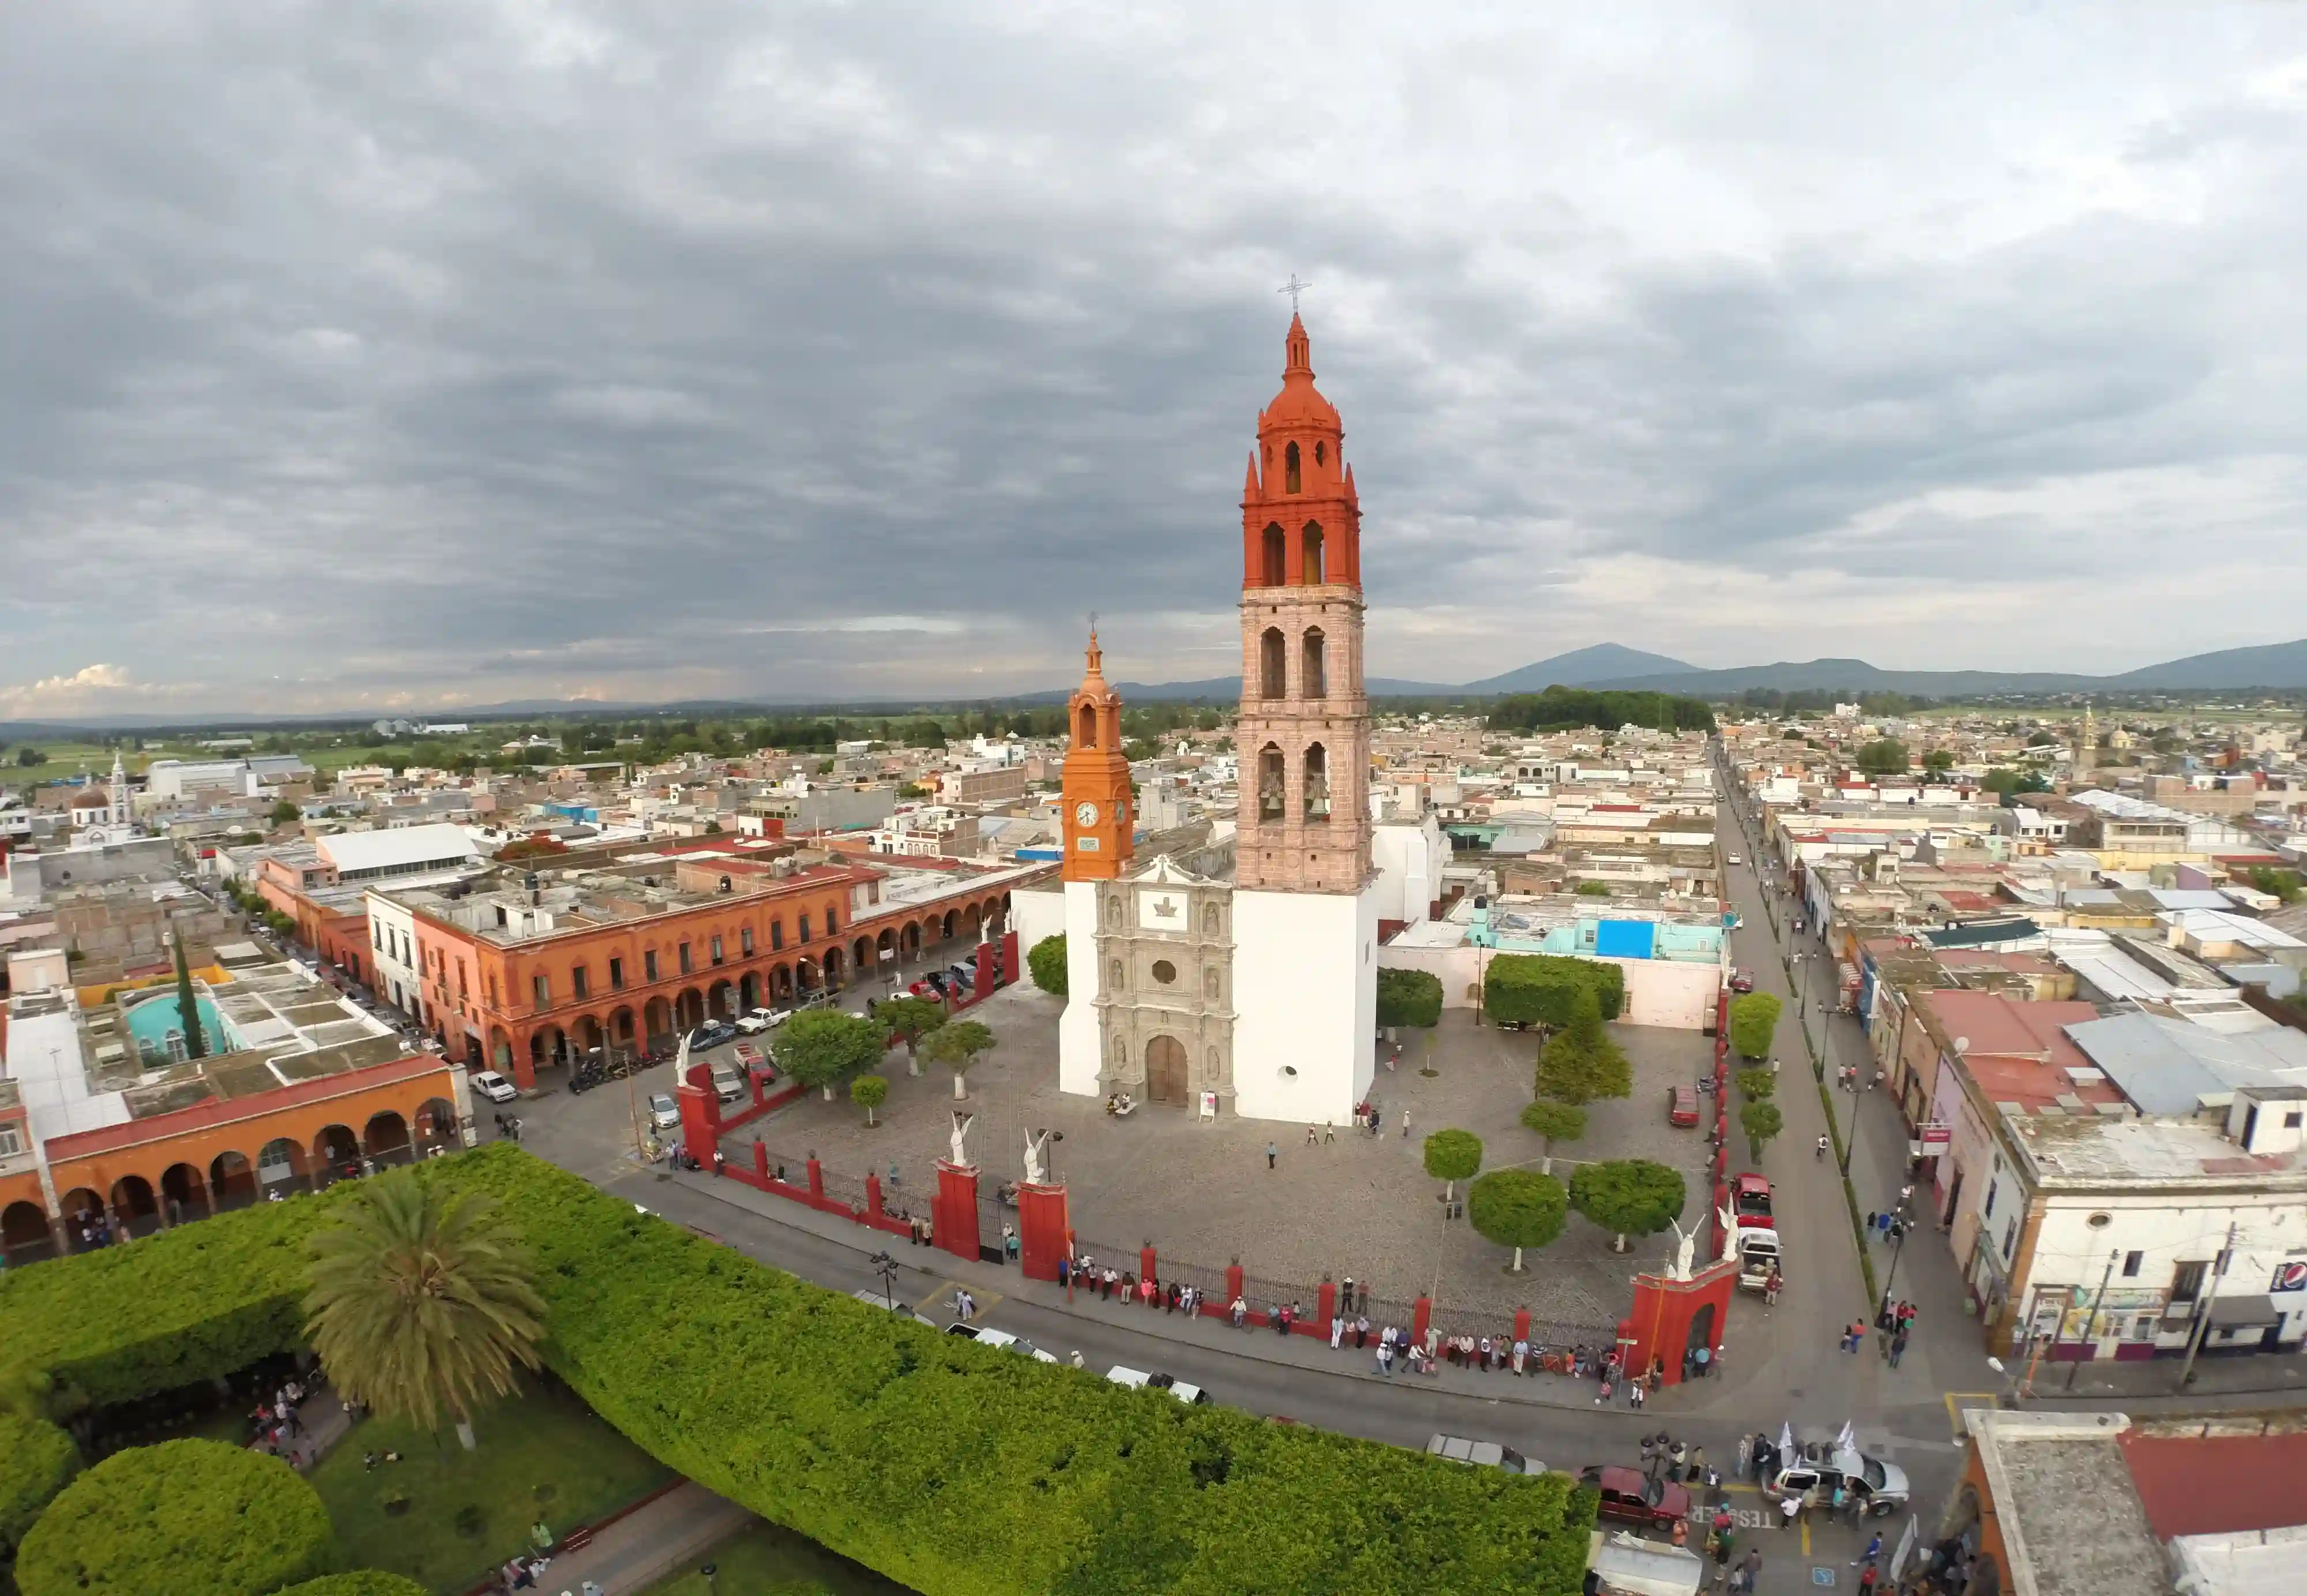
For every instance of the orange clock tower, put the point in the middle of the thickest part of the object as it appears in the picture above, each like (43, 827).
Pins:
(1099, 827)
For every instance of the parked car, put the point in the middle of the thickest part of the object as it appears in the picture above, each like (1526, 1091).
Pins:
(888, 1304)
(987, 1335)
(763, 1020)
(1734, 860)
(1758, 1257)
(495, 1087)
(1483, 1454)
(1681, 1105)
(1881, 1487)
(728, 1085)
(1137, 1379)
(1750, 1201)
(664, 1114)
(1742, 981)
(711, 1034)
(1630, 1498)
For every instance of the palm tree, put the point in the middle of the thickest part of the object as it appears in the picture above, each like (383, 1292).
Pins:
(419, 1301)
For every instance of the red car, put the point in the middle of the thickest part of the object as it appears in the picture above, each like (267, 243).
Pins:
(1630, 1498)
(1750, 1200)
(1682, 1106)
(1742, 981)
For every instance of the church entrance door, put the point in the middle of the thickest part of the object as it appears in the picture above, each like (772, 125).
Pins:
(1165, 1071)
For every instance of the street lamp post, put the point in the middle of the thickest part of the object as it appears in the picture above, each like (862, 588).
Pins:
(886, 1267)
(2075, 1366)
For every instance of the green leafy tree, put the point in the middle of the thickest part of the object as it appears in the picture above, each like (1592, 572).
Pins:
(868, 1092)
(1938, 761)
(188, 1008)
(188, 1516)
(2283, 884)
(29, 755)
(1753, 1085)
(1538, 988)
(910, 1018)
(1553, 1122)
(1761, 1121)
(1518, 1208)
(1045, 962)
(284, 811)
(1886, 757)
(957, 1046)
(825, 1048)
(1628, 1197)
(1753, 1019)
(419, 1301)
(1408, 997)
(1593, 889)
(1450, 1157)
(1584, 1061)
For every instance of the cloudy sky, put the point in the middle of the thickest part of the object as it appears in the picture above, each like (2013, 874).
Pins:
(418, 355)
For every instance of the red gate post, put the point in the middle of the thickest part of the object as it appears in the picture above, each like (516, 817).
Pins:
(1522, 1324)
(761, 1160)
(1326, 1306)
(954, 1209)
(1420, 1319)
(1147, 1263)
(872, 1194)
(816, 1182)
(1044, 1234)
(1233, 1288)
(701, 1126)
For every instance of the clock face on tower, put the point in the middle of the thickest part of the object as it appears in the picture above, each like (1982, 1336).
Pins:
(1085, 813)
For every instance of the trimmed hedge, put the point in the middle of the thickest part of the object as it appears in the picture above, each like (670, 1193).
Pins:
(1045, 962)
(36, 1460)
(192, 1518)
(364, 1582)
(1538, 988)
(954, 1469)
(1410, 997)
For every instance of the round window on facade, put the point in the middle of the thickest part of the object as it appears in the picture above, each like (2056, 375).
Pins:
(1165, 971)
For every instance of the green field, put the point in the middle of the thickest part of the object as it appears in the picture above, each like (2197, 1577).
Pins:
(543, 1454)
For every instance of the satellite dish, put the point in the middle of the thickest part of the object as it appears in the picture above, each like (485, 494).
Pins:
(1962, 1044)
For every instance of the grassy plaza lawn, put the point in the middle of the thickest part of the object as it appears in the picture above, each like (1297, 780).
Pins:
(543, 1454)
(767, 1559)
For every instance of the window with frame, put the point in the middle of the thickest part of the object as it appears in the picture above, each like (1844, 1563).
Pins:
(745, 942)
(616, 975)
(580, 981)
(2130, 1262)
(542, 986)
(686, 962)
(11, 1141)
(717, 951)
(804, 927)
(832, 922)
(2187, 1281)
(777, 934)
(648, 965)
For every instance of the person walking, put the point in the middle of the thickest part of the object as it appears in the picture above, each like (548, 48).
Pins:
(1361, 1330)
(1312, 1138)
(1751, 1566)
(1329, 1131)
(1271, 1153)
(1337, 1331)
(1239, 1312)
(1385, 1358)
(1867, 1559)
(1898, 1346)
(1819, 1154)
(1405, 1121)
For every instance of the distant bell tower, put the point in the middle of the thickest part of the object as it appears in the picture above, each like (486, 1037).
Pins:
(1099, 827)
(1303, 737)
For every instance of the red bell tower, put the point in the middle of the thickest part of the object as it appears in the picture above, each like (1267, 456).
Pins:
(1099, 827)
(1304, 732)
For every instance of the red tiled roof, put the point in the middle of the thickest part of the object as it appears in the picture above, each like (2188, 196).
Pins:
(2213, 1485)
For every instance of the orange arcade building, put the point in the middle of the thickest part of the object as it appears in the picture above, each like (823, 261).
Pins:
(530, 970)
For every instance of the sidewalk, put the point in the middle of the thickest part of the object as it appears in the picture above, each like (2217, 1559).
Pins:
(648, 1543)
(1265, 1346)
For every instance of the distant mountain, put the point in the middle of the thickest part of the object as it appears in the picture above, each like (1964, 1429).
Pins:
(1579, 667)
(2270, 665)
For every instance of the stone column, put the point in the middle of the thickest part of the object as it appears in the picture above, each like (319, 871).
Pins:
(953, 1211)
(1045, 1230)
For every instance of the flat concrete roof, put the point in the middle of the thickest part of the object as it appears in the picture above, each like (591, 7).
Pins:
(2073, 1525)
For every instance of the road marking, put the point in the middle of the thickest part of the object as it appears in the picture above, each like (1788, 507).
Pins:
(1805, 1532)
(1968, 1399)
(941, 1300)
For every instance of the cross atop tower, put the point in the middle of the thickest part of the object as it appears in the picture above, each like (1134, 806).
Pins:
(1293, 288)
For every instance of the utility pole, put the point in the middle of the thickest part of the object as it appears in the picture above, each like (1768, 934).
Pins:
(2203, 1306)
(2106, 1275)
